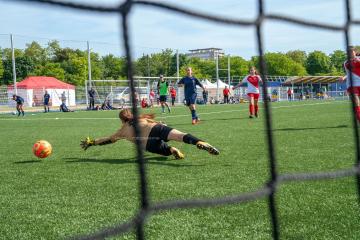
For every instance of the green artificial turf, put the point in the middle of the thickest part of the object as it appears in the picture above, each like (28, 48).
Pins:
(76, 192)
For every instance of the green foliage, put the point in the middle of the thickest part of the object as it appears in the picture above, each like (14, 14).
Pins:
(281, 64)
(71, 65)
(76, 69)
(297, 56)
(338, 58)
(318, 63)
(114, 67)
(36, 53)
(50, 69)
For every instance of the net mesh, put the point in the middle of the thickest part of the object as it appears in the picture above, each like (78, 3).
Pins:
(269, 189)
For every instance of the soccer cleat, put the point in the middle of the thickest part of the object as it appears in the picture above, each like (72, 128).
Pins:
(194, 122)
(207, 147)
(251, 116)
(197, 120)
(176, 153)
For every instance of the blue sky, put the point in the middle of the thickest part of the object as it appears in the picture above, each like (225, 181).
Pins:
(153, 29)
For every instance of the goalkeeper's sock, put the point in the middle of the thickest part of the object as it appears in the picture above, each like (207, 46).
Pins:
(19, 113)
(23, 113)
(190, 139)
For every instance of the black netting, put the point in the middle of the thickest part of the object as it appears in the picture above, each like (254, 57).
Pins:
(269, 190)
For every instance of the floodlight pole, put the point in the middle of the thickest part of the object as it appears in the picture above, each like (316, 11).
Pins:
(229, 70)
(13, 62)
(177, 72)
(217, 77)
(89, 62)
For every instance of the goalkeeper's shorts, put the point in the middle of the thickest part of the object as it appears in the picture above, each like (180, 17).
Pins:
(157, 139)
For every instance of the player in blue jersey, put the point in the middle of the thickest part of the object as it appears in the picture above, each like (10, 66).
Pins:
(19, 104)
(189, 82)
(46, 101)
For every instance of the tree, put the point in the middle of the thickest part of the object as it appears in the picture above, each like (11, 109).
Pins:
(50, 69)
(97, 66)
(318, 63)
(35, 52)
(114, 67)
(24, 67)
(337, 59)
(75, 69)
(297, 56)
(280, 64)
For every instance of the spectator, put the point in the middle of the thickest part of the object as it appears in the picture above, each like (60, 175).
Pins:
(226, 93)
(151, 97)
(63, 97)
(46, 102)
(144, 103)
(64, 108)
(91, 93)
(205, 94)
(289, 93)
(173, 95)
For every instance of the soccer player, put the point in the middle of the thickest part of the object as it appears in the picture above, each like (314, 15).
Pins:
(46, 101)
(163, 89)
(253, 80)
(19, 104)
(154, 136)
(355, 72)
(189, 82)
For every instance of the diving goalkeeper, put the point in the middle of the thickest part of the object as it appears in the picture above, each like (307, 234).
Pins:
(154, 136)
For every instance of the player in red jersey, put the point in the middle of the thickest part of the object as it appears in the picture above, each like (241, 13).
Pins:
(253, 80)
(355, 72)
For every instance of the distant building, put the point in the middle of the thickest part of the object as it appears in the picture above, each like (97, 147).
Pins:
(206, 53)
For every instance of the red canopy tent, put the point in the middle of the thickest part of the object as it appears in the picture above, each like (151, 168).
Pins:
(33, 88)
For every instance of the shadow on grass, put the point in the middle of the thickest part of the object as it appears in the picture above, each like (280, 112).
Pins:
(310, 128)
(30, 161)
(149, 160)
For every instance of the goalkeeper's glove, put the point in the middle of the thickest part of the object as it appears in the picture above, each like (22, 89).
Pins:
(87, 143)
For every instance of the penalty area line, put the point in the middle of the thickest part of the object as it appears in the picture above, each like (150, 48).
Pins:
(159, 117)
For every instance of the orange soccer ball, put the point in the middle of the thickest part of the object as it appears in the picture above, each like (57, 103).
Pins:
(42, 149)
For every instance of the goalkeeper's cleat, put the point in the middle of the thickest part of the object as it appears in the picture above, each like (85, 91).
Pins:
(207, 147)
(176, 153)
(85, 144)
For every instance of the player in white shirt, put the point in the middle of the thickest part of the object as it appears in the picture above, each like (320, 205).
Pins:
(253, 81)
(355, 72)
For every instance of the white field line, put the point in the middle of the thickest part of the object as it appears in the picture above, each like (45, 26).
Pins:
(161, 117)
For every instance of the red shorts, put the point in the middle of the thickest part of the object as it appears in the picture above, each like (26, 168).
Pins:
(354, 90)
(254, 95)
